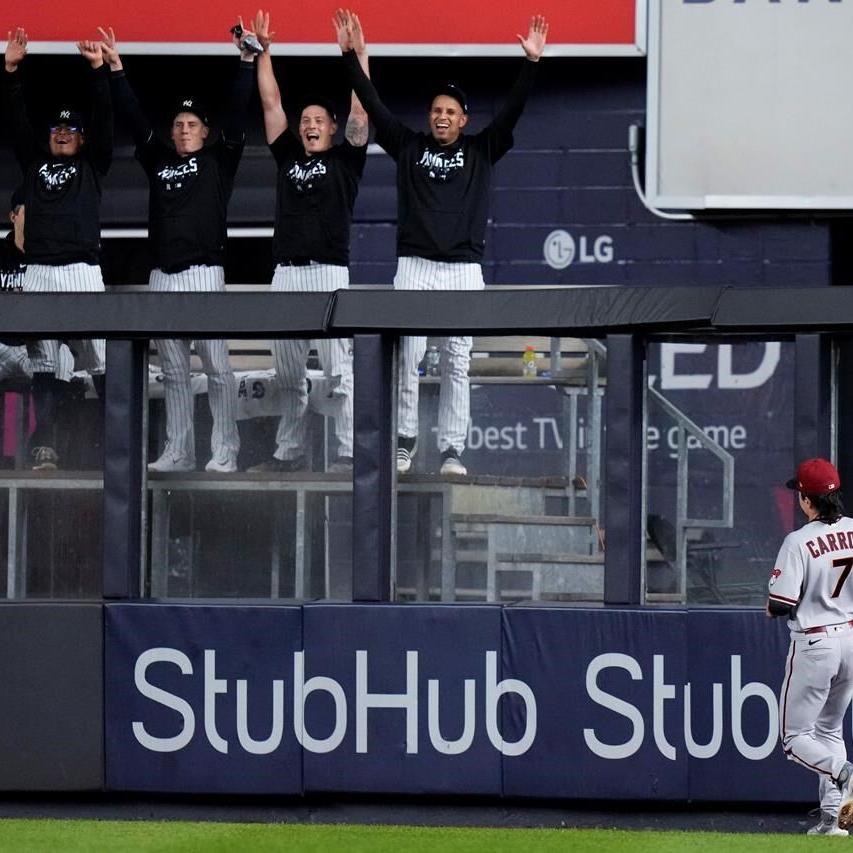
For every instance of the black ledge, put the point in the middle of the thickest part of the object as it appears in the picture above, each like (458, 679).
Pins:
(174, 315)
(585, 311)
(590, 310)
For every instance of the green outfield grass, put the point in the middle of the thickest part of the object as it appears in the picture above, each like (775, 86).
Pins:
(183, 837)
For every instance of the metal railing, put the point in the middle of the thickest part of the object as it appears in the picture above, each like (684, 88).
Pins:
(686, 430)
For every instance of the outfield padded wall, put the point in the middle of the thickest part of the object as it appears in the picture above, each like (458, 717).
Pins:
(51, 697)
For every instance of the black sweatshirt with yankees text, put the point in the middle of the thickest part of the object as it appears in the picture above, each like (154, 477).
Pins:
(13, 265)
(314, 200)
(189, 194)
(62, 194)
(442, 190)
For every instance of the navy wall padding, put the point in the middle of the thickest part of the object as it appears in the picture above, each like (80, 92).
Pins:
(253, 644)
(51, 696)
(451, 643)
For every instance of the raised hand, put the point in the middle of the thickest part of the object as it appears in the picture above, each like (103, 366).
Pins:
(356, 33)
(262, 29)
(91, 52)
(109, 48)
(247, 54)
(16, 48)
(342, 30)
(534, 44)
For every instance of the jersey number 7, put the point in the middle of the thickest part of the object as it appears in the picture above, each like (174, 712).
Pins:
(845, 563)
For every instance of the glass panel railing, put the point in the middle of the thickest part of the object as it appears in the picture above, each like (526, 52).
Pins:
(51, 462)
(719, 446)
(516, 517)
(250, 483)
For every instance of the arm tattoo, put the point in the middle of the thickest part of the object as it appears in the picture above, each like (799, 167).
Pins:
(356, 132)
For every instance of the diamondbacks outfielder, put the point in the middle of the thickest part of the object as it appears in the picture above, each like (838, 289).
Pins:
(190, 184)
(442, 202)
(316, 190)
(811, 586)
(62, 231)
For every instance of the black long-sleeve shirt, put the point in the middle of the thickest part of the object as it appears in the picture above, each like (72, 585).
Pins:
(315, 196)
(62, 194)
(13, 265)
(188, 194)
(442, 190)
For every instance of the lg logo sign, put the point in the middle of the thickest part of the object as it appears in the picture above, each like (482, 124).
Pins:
(560, 249)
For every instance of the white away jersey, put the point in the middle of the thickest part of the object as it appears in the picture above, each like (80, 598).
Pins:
(813, 572)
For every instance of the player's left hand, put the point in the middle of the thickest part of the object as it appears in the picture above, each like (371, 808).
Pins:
(534, 45)
(342, 30)
(91, 52)
(262, 29)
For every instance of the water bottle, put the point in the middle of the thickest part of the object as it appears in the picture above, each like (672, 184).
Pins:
(433, 362)
(528, 363)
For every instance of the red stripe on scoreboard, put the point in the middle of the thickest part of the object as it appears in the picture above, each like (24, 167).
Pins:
(437, 27)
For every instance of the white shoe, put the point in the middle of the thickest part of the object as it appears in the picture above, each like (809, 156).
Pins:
(225, 464)
(45, 459)
(451, 464)
(828, 825)
(169, 462)
(405, 454)
(845, 785)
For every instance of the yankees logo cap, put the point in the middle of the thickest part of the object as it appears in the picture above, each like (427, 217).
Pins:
(68, 117)
(452, 91)
(191, 105)
(815, 477)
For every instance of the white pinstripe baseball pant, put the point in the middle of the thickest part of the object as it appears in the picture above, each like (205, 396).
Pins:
(14, 362)
(289, 356)
(175, 361)
(90, 354)
(454, 400)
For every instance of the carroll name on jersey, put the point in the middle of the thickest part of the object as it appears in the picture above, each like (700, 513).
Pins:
(839, 541)
(439, 165)
(54, 176)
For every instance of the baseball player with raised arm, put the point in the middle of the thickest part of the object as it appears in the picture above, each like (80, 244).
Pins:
(811, 586)
(316, 189)
(443, 180)
(62, 230)
(190, 184)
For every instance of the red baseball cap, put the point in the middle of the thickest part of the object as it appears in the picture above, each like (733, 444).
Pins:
(815, 477)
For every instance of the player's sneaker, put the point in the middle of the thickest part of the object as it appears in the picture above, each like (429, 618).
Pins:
(45, 459)
(828, 825)
(406, 448)
(280, 466)
(451, 464)
(170, 462)
(845, 785)
(225, 463)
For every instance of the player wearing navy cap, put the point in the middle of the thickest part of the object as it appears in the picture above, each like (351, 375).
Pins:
(811, 585)
(443, 179)
(316, 189)
(62, 231)
(190, 184)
